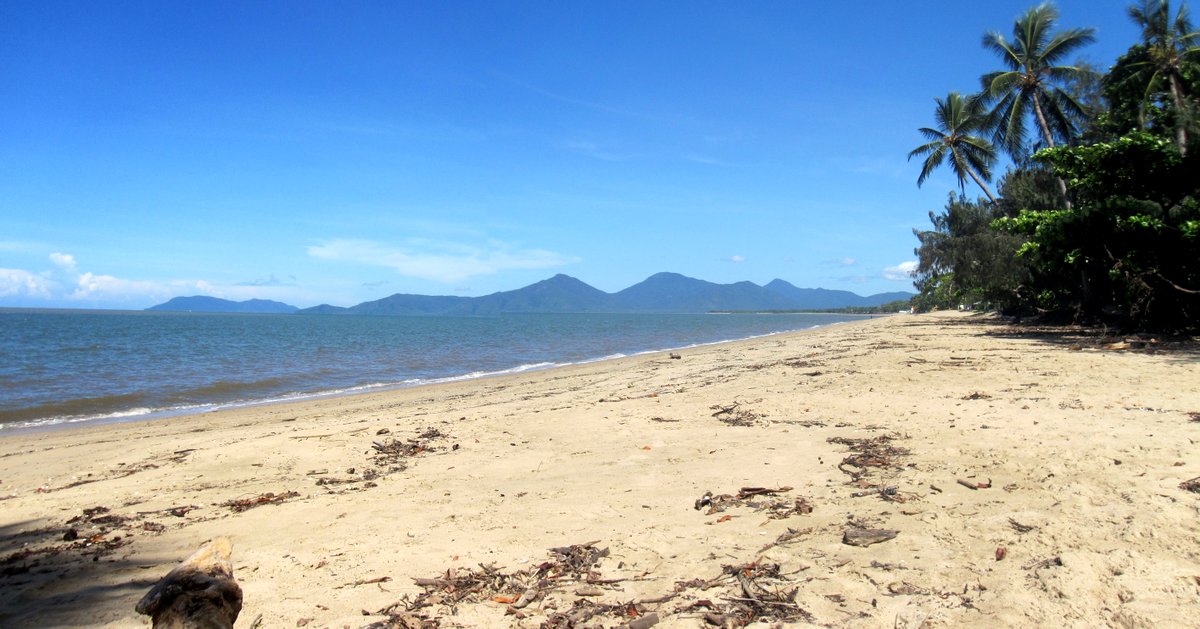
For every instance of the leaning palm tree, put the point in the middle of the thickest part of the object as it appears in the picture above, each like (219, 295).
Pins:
(958, 118)
(1033, 80)
(1169, 44)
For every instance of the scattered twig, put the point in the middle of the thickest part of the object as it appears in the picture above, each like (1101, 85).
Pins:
(364, 582)
(1020, 528)
(239, 505)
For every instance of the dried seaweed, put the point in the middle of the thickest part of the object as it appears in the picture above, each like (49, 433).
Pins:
(239, 505)
(776, 509)
(876, 452)
(567, 564)
(392, 452)
(735, 415)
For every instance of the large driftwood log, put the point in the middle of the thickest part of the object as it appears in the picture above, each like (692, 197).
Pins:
(199, 593)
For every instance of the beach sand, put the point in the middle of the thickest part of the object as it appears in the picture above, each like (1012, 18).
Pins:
(972, 439)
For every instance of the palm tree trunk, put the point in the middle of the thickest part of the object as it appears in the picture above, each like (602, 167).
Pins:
(1041, 118)
(985, 188)
(1049, 138)
(1181, 138)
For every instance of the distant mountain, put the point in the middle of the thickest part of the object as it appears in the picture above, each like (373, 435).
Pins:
(662, 292)
(672, 292)
(203, 303)
(821, 298)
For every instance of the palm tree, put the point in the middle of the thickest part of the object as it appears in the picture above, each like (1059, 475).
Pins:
(1033, 80)
(958, 117)
(1170, 44)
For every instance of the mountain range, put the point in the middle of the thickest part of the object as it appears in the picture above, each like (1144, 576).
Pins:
(662, 292)
(204, 303)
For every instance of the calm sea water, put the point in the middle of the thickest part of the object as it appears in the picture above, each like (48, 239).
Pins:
(59, 367)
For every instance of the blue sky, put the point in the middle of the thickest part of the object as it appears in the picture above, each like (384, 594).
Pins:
(338, 152)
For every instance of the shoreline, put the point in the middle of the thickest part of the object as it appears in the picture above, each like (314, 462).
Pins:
(138, 414)
(961, 434)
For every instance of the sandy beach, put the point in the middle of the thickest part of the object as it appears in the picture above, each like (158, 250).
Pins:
(1026, 478)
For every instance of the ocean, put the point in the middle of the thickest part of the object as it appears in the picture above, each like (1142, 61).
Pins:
(60, 367)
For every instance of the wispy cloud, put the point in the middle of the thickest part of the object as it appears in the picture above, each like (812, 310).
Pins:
(593, 150)
(444, 262)
(735, 259)
(270, 280)
(841, 262)
(902, 272)
(696, 158)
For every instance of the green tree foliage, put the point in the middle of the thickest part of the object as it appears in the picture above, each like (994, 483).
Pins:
(958, 119)
(1128, 251)
(962, 260)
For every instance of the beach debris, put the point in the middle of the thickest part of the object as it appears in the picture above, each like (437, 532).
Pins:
(363, 582)
(238, 505)
(786, 537)
(876, 453)
(1045, 563)
(391, 452)
(904, 588)
(890, 491)
(867, 537)
(199, 593)
(755, 592)
(1001, 553)
(675, 356)
(389, 456)
(1194, 417)
(404, 620)
(977, 395)
(735, 415)
(122, 470)
(1192, 485)
(576, 563)
(90, 535)
(969, 484)
(776, 509)
(1020, 528)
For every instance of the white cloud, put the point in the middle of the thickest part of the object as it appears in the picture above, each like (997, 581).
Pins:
(19, 282)
(90, 286)
(847, 262)
(63, 261)
(736, 259)
(438, 261)
(902, 272)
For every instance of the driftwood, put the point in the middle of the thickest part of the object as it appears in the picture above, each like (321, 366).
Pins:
(866, 537)
(974, 485)
(199, 593)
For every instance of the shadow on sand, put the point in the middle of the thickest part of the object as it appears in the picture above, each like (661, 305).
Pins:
(71, 575)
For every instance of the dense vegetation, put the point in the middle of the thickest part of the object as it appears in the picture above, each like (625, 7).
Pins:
(1098, 218)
